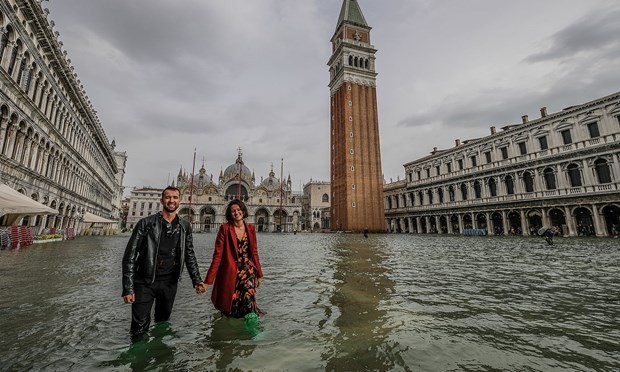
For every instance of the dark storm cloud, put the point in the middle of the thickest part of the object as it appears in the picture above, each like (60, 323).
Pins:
(596, 32)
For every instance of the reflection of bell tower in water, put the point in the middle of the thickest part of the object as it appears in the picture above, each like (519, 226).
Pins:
(356, 176)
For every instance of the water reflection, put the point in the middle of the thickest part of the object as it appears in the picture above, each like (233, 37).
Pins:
(362, 286)
(231, 337)
(148, 351)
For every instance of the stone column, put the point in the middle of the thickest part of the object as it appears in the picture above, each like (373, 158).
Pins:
(505, 223)
(460, 216)
(598, 225)
(490, 231)
(615, 167)
(561, 178)
(545, 217)
(449, 224)
(417, 225)
(588, 177)
(410, 222)
(570, 222)
(428, 224)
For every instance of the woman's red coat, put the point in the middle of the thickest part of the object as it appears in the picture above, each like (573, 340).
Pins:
(223, 269)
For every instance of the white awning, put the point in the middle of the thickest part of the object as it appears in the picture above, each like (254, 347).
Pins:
(13, 202)
(93, 218)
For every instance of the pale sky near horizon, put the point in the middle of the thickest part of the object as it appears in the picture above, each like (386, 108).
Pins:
(169, 76)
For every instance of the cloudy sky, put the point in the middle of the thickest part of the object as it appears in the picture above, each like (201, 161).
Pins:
(169, 76)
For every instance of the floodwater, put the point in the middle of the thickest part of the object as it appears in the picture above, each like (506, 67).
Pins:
(334, 302)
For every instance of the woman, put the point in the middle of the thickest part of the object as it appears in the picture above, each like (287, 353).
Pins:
(235, 268)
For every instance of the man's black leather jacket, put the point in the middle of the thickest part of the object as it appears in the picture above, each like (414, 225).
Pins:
(140, 258)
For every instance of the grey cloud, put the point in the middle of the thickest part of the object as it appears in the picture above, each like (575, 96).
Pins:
(597, 31)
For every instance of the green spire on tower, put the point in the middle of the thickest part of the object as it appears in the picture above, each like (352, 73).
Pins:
(351, 13)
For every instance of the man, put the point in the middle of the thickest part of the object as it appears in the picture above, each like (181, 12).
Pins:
(153, 262)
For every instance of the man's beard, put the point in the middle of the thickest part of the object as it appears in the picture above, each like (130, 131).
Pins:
(170, 210)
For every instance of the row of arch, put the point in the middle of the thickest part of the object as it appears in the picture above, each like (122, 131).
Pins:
(576, 220)
(24, 145)
(207, 219)
(24, 71)
(505, 184)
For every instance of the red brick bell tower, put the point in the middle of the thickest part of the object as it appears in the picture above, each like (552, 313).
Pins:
(356, 176)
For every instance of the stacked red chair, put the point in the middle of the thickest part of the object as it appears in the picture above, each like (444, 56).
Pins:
(14, 236)
(25, 236)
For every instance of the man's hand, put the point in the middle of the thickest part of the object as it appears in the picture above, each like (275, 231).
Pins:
(200, 288)
(130, 298)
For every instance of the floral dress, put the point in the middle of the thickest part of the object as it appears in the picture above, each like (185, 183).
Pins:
(244, 295)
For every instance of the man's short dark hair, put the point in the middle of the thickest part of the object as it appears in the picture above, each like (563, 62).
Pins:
(241, 205)
(163, 193)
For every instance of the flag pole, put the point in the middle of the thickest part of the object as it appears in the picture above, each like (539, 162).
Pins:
(239, 184)
(191, 188)
(281, 192)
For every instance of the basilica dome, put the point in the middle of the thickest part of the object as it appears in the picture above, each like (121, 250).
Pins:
(232, 171)
(271, 183)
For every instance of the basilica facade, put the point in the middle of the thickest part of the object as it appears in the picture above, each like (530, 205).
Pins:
(272, 204)
(53, 147)
(561, 170)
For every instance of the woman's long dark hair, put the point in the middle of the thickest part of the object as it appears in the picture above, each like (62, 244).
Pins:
(241, 205)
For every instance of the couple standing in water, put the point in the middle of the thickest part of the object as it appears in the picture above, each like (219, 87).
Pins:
(161, 244)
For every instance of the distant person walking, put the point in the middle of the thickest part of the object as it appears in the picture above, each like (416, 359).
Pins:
(153, 262)
(235, 270)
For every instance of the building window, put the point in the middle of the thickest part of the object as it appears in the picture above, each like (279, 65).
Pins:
(510, 185)
(352, 169)
(543, 143)
(464, 191)
(353, 186)
(428, 173)
(460, 164)
(353, 204)
(419, 175)
(504, 151)
(487, 155)
(151, 205)
(449, 167)
(451, 193)
(142, 205)
(430, 196)
(260, 200)
(602, 171)
(566, 137)
(141, 213)
(325, 198)
(492, 187)
(351, 151)
(549, 179)
(593, 130)
(209, 198)
(528, 181)
(473, 161)
(574, 175)
(440, 195)
(421, 197)
(522, 148)
(477, 190)
(438, 170)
